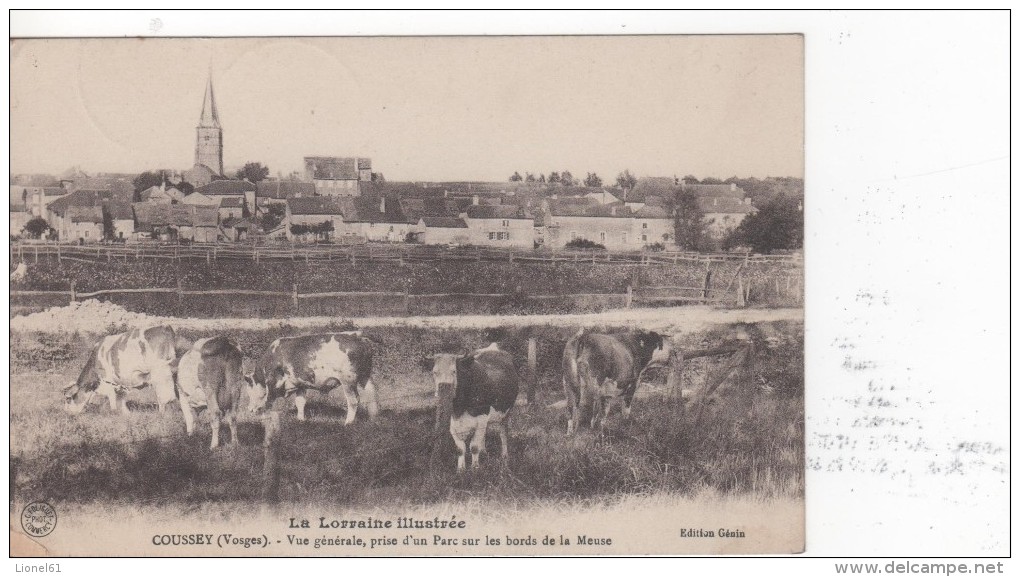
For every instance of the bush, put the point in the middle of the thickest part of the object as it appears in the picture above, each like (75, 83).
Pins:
(656, 247)
(585, 243)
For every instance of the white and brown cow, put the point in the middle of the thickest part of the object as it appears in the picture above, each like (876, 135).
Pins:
(209, 376)
(125, 361)
(321, 362)
(476, 390)
(599, 368)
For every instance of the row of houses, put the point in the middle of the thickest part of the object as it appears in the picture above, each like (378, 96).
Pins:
(230, 210)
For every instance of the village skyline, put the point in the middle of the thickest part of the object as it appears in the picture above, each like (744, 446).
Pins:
(429, 109)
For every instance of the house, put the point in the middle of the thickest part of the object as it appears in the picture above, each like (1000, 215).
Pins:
(64, 216)
(119, 185)
(161, 221)
(724, 213)
(235, 229)
(239, 188)
(231, 207)
(603, 197)
(201, 175)
(443, 230)
(615, 226)
(318, 217)
(197, 198)
(36, 198)
(19, 214)
(120, 216)
(379, 219)
(503, 225)
(161, 194)
(82, 224)
(338, 175)
(270, 192)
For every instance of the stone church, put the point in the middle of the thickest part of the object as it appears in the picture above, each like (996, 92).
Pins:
(208, 143)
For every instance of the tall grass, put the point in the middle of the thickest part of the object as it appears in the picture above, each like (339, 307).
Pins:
(749, 441)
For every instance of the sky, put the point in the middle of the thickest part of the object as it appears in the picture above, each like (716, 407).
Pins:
(422, 108)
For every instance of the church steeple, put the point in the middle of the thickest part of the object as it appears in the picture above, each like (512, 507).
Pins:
(210, 117)
(209, 133)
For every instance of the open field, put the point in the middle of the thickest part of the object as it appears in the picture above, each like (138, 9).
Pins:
(748, 446)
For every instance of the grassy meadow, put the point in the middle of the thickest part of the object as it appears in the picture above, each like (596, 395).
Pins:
(748, 444)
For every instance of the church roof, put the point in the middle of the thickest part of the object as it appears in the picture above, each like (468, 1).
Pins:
(226, 187)
(210, 116)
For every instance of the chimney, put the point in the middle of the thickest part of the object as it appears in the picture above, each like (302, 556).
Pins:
(474, 199)
(382, 204)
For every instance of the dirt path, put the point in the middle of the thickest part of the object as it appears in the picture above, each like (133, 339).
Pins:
(677, 320)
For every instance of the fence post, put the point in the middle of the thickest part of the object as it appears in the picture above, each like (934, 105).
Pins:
(73, 294)
(532, 369)
(407, 301)
(60, 263)
(180, 294)
(294, 298)
(630, 296)
(740, 292)
(37, 254)
(708, 281)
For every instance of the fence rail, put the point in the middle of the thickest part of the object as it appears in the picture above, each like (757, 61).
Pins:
(401, 253)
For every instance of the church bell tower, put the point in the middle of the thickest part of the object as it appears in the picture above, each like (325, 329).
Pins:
(209, 143)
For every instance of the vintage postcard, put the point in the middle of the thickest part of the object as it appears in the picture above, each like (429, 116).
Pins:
(407, 296)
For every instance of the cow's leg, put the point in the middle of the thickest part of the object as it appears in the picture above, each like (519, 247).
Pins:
(478, 442)
(214, 421)
(371, 400)
(232, 423)
(351, 393)
(572, 410)
(162, 381)
(504, 436)
(299, 402)
(627, 400)
(607, 406)
(189, 416)
(461, 432)
(121, 398)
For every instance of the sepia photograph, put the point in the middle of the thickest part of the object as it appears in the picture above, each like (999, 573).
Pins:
(407, 296)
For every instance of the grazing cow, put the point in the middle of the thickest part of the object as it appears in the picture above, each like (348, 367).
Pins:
(209, 375)
(321, 362)
(598, 368)
(124, 361)
(476, 389)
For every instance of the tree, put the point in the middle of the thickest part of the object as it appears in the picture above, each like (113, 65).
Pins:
(711, 180)
(253, 172)
(147, 180)
(272, 217)
(541, 179)
(378, 177)
(690, 179)
(688, 220)
(186, 188)
(566, 178)
(554, 177)
(778, 225)
(592, 180)
(528, 177)
(626, 180)
(37, 227)
(108, 228)
(516, 177)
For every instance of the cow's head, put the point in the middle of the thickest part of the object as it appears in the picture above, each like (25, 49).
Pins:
(79, 392)
(654, 348)
(258, 392)
(444, 373)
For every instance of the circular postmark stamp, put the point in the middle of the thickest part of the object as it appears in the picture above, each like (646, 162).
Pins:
(38, 519)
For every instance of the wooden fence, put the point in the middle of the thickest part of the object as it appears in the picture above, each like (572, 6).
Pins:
(379, 252)
(737, 291)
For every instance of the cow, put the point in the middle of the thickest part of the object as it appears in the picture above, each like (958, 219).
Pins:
(321, 362)
(476, 389)
(598, 368)
(125, 361)
(209, 376)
